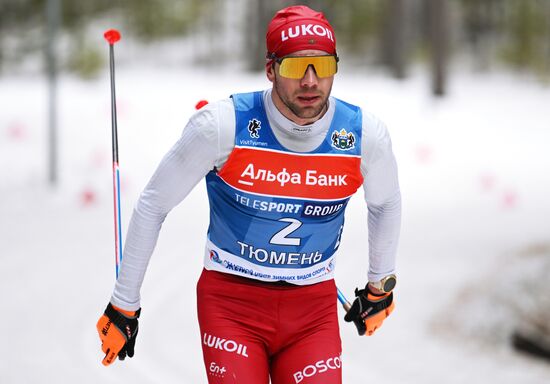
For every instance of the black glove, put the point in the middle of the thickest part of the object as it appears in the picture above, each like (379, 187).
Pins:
(369, 311)
(120, 339)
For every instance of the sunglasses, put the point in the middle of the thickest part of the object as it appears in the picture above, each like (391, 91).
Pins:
(295, 67)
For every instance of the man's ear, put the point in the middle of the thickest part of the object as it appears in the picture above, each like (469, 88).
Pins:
(270, 72)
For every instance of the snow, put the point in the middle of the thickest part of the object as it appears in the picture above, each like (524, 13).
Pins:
(475, 180)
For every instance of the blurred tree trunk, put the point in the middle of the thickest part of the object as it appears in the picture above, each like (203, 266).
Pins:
(53, 17)
(480, 27)
(438, 16)
(259, 15)
(393, 38)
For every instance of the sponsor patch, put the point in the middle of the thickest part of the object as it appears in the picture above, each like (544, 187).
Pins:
(343, 140)
(254, 126)
(226, 345)
(317, 368)
(216, 370)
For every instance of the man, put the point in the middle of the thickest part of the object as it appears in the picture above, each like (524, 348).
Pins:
(280, 166)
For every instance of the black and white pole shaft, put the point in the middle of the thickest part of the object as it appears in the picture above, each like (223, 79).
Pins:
(112, 36)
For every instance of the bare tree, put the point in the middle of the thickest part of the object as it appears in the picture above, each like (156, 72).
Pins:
(394, 37)
(438, 16)
(255, 27)
(53, 12)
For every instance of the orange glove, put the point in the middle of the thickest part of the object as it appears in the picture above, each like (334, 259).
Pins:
(369, 311)
(117, 330)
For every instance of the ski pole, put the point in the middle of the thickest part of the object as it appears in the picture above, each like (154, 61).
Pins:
(342, 299)
(112, 36)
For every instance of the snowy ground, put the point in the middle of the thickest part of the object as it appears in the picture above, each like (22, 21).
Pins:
(475, 179)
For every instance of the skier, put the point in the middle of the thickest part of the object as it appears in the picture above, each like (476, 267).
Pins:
(266, 296)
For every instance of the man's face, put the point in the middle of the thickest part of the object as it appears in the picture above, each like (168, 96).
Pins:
(301, 100)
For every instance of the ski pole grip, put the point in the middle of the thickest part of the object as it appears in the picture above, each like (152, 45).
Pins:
(359, 324)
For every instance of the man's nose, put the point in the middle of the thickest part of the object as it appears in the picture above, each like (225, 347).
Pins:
(310, 77)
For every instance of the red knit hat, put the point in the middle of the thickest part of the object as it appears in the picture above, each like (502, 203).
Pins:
(297, 28)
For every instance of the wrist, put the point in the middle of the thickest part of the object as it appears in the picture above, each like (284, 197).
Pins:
(382, 286)
(375, 291)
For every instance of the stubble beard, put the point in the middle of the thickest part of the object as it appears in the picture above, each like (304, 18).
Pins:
(311, 112)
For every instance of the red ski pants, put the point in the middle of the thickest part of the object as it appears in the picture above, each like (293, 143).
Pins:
(253, 331)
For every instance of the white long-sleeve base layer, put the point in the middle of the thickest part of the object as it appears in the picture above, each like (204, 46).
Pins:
(207, 141)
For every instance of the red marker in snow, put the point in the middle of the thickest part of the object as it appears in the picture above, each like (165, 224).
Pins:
(87, 196)
(201, 104)
(510, 199)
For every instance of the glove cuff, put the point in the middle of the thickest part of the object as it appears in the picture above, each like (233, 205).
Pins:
(120, 318)
(129, 314)
(370, 293)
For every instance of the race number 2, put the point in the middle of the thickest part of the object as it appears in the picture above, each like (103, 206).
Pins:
(282, 237)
